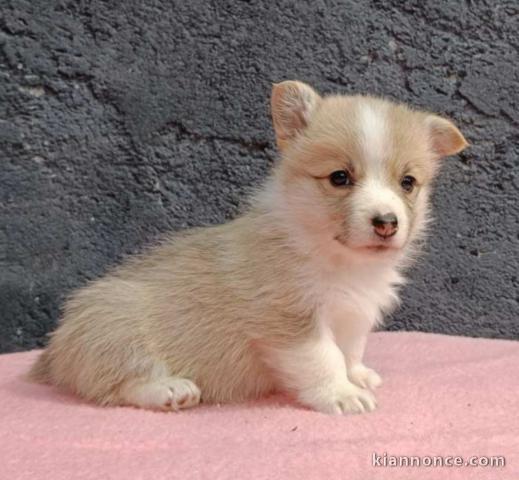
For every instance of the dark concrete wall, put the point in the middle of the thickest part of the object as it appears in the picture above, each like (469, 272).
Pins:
(120, 120)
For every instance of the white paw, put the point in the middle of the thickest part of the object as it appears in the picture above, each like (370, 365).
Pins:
(356, 400)
(364, 377)
(182, 393)
(169, 393)
(347, 399)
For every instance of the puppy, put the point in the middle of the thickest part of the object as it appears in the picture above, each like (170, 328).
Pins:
(283, 297)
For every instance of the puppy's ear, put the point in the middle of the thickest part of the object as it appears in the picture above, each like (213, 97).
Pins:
(445, 138)
(292, 105)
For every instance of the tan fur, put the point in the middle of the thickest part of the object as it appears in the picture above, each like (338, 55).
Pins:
(231, 307)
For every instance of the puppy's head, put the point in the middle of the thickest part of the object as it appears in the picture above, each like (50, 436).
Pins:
(355, 170)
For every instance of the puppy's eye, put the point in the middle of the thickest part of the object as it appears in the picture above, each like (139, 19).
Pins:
(341, 178)
(408, 183)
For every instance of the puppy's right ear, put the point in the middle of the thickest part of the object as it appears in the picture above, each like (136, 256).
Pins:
(292, 105)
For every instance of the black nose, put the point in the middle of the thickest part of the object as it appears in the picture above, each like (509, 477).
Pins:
(385, 226)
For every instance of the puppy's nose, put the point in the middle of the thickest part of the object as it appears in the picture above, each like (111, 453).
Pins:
(385, 226)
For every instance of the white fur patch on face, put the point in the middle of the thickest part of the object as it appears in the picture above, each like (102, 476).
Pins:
(374, 197)
(374, 133)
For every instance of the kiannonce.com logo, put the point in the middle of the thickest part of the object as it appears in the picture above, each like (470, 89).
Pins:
(387, 460)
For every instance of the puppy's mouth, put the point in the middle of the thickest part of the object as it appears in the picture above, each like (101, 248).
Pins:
(378, 248)
(387, 246)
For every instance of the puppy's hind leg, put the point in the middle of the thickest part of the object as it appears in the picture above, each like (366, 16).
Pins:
(162, 393)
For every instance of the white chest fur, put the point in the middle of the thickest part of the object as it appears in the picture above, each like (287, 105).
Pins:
(356, 300)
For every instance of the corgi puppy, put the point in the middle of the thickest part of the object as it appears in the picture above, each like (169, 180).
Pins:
(281, 298)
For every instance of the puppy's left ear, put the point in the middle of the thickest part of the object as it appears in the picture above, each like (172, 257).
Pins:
(292, 104)
(445, 138)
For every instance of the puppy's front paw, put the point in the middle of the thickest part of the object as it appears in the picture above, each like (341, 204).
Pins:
(347, 399)
(356, 400)
(364, 377)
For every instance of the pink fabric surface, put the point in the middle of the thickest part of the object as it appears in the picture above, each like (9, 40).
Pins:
(441, 396)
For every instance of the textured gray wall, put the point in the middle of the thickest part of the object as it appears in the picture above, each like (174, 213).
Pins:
(120, 120)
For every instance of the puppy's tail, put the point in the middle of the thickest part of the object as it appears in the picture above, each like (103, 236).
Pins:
(40, 370)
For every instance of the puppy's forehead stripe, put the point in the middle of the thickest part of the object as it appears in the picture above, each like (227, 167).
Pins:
(374, 132)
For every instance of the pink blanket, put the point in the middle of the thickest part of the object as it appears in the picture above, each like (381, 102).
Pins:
(442, 397)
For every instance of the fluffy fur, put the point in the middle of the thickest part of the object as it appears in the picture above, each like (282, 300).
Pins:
(283, 297)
